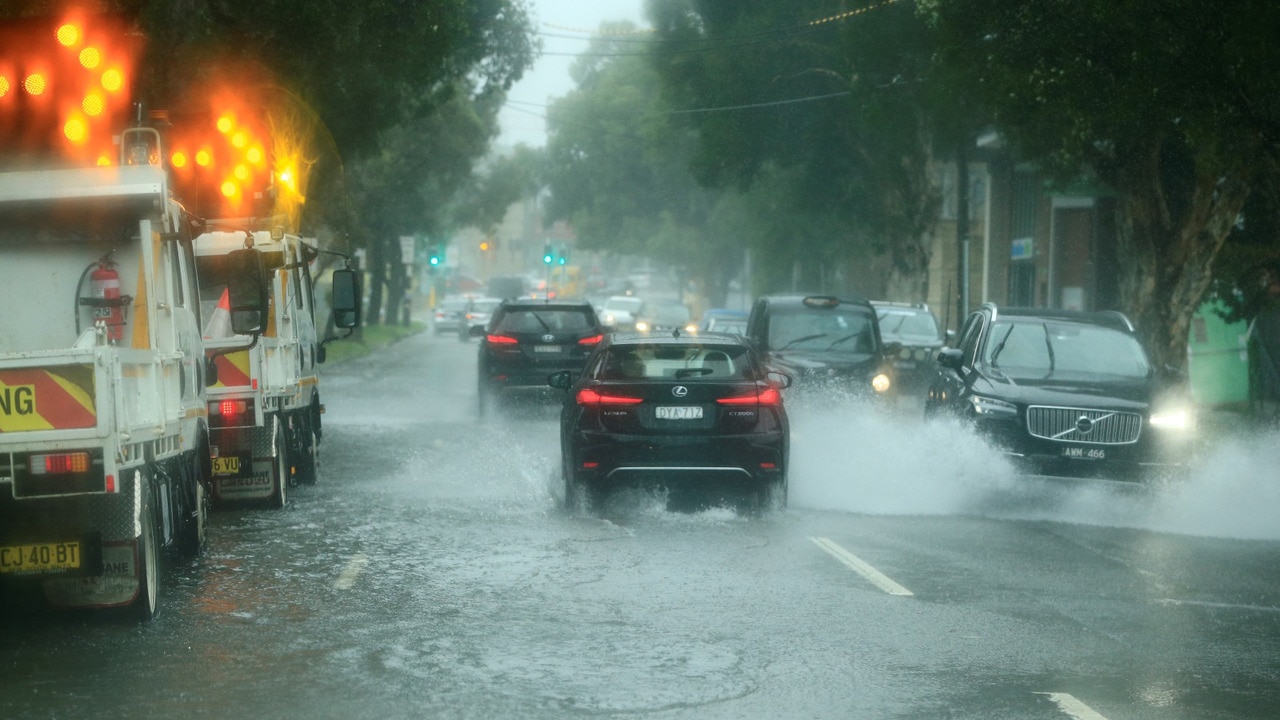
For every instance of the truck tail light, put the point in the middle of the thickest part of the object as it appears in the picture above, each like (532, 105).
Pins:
(226, 408)
(587, 396)
(60, 463)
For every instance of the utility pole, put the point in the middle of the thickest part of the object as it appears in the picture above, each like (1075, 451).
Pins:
(962, 223)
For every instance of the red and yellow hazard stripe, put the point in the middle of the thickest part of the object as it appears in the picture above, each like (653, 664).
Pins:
(47, 399)
(233, 369)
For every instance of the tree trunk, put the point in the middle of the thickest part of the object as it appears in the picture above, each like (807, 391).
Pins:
(377, 278)
(1166, 256)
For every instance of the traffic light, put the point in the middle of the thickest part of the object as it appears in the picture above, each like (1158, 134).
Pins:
(564, 255)
(548, 255)
(433, 255)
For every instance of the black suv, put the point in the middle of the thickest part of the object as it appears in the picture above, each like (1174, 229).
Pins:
(815, 337)
(529, 339)
(684, 412)
(1064, 393)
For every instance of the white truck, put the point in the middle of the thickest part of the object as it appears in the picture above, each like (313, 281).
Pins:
(104, 454)
(265, 408)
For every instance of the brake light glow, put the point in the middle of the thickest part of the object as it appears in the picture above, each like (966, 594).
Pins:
(589, 465)
(593, 340)
(768, 396)
(60, 463)
(587, 396)
(501, 340)
(229, 407)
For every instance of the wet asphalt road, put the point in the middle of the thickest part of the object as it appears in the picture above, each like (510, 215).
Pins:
(433, 573)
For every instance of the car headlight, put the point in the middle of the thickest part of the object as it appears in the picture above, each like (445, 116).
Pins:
(609, 319)
(642, 326)
(1171, 419)
(990, 407)
(691, 329)
(880, 383)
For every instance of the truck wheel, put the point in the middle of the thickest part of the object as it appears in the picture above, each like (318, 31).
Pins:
(147, 556)
(282, 469)
(308, 456)
(192, 534)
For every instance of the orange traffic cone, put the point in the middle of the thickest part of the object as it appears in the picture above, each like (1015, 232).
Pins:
(219, 325)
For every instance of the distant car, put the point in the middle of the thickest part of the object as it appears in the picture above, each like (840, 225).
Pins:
(619, 312)
(450, 315)
(528, 339)
(665, 316)
(915, 328)
(479, 313)
(683, 411)
(822, 338)
(725, 321)
(1063, 393)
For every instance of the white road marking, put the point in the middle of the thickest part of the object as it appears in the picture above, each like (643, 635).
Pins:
(353, 569)
(1218, 605)
(1069, 705)
(859, 566)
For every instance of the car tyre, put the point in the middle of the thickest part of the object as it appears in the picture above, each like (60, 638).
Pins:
(283, 469)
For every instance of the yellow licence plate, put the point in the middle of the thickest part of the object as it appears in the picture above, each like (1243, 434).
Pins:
(226, 465)
(39, 558)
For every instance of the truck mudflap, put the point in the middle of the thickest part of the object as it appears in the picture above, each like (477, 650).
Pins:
(243, 464)
(116, 584)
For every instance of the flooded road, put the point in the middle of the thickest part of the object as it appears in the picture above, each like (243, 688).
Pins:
(433, 573)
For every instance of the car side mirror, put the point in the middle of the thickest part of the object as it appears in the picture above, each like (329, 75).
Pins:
(247, 291)
(891, 349)
(477, 331)
(346, 299)
(951, 358)
(561, 380)
(780, 380)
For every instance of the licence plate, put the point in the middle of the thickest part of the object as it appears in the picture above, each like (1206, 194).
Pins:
(39, 558)
(1084, 453)
(225, 466)
(546, 348)
(667, 412)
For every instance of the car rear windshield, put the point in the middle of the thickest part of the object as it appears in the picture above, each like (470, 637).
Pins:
(848, 330)
(906, 325)
(1042, 348)
(624, 304)
(656, 361)
(544, 320)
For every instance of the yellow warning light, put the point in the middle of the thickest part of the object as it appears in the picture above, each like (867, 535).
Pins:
(484, 247)
(76, 130)
(225, 123)
(4, 86)
(178, 159)
(253, 154)
(112, 80)
(34, 84)
(93, 104)
(242, 172)
(229, 189)
(69, 35)
(103, 160)
(204, 158)
(239, 140)
(90, 58)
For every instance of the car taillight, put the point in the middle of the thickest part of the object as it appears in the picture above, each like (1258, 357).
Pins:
(593, 340)
(587, 396)
(500, 340)
(60, 463)
(768, 396)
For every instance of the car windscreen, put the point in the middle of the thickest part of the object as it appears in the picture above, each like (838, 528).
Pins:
(908, 325)
(666, 314)
(835, 330)
(1042, 348)
(544, 320)
(622, 304)
(657, 361)
(485, 306)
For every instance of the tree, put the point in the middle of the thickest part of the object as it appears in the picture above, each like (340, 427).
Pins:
(1172, 103)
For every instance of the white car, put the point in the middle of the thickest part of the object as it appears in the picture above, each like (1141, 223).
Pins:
(619, 312)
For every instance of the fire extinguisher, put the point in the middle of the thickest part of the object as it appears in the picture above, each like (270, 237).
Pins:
(104, 289)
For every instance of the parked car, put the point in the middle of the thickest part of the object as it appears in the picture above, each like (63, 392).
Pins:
(528, 339)
(684, 411)
(450, 315)
(915, 328)
(817, 338)
(665, 316)
(1063, 393)
(619, 312)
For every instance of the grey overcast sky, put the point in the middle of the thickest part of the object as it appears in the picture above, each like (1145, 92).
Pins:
(562, 25)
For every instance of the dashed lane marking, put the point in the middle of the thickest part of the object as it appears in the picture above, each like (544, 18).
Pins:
(354, 567)
(859, 566)
(1071, 706)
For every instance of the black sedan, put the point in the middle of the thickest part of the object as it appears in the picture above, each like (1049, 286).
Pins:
(1064, 393)
(528, 339)
(675, 411)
